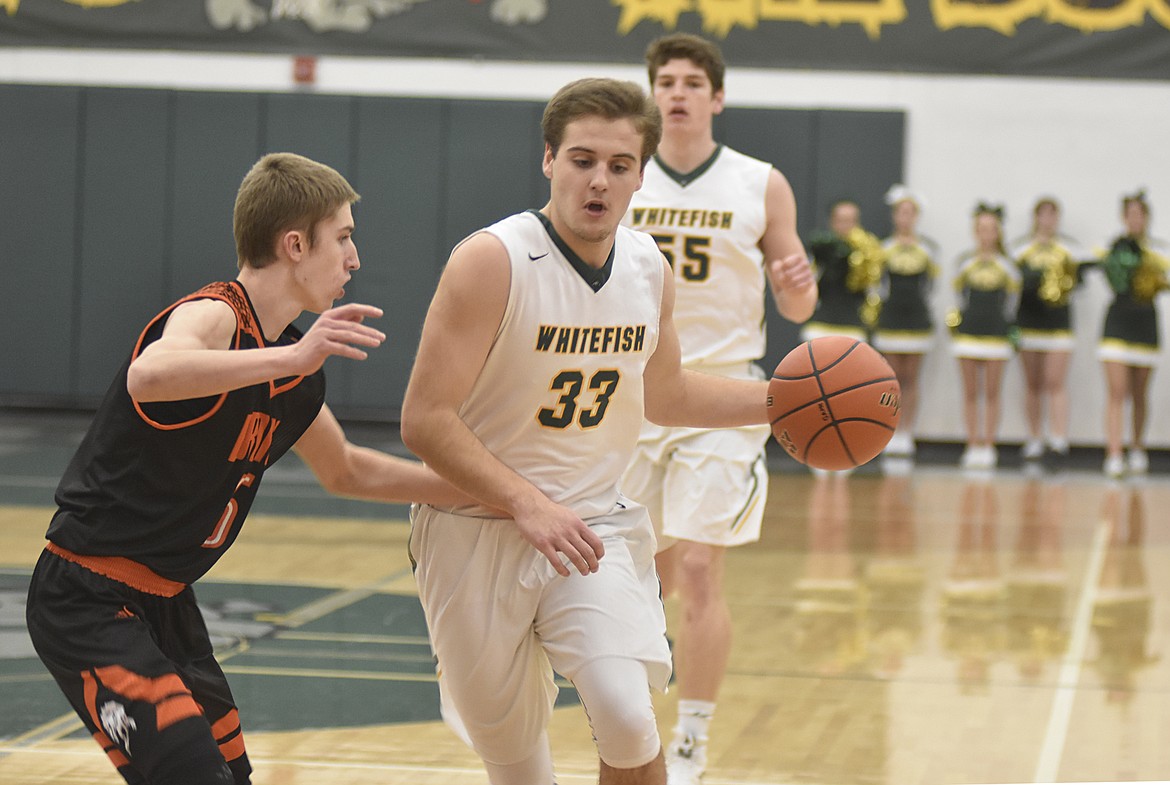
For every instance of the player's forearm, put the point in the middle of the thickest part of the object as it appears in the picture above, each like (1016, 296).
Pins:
(705, 401)
(372, 475)
(445, 443)
(796, 305)
(181, 374)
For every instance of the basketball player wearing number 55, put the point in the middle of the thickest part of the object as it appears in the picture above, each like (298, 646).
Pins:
(728, 222)
(548, 340)
(218, 387)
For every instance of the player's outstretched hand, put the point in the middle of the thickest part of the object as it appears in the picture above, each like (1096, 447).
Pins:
(555, 530)
(792, 273)
(339, 331)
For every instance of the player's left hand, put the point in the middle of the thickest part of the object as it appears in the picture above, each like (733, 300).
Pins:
(338, 331)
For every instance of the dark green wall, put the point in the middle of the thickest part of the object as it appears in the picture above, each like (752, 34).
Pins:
(116, 202)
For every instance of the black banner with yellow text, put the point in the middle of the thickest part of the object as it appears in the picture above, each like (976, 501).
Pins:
(1083, 38)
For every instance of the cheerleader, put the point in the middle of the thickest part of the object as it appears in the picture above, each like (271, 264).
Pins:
(902, 323)
(1048, 274)
(1136, 269)
(846, 259)
(988, 286)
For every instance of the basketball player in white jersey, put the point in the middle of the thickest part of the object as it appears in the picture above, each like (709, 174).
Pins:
(548, 340)
(728, 223)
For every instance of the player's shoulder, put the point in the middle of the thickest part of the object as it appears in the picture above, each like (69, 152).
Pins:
(484, 252)
(742, 158)
(219, 302)
(740, 165)
(638, 241)
(524, 228)
(641, 250)
(526, 221)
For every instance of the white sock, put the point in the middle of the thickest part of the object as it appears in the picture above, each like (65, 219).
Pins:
(694, 717)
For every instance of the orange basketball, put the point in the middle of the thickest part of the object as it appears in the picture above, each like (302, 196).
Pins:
(834, 402)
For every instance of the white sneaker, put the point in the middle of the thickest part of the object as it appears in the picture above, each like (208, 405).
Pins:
(979, 456)
(1032, 450)
(901, 445)
(1114, 466)
(1139, 461)
(970, 459)
(686, 760)
(989, 457)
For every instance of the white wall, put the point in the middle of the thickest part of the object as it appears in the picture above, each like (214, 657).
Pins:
(968, 138)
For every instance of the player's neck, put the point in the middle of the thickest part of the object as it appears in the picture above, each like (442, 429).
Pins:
(594, 253)
(274, 304)
(686, 152)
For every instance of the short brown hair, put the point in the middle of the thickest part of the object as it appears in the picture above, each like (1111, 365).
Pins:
(684, 46)
(280, 193)
(611, 99)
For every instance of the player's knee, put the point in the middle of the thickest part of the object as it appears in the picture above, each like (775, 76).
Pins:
(617, 701)
(700, 571)
(195, 766)
(536, 769)
(186, 754)
(507, 751)
(241, 770)
(506, 741)
(626, 733)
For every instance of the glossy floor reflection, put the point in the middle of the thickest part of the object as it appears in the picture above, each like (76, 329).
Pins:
(923, 626)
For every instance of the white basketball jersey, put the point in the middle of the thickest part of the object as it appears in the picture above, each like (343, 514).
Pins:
(559, 399)
(709, 224)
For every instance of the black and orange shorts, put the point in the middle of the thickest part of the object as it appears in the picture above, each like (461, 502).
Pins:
(133, 657)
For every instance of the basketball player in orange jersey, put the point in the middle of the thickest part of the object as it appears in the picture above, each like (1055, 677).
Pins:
(548, 340)
(218, 387)
(705, 489)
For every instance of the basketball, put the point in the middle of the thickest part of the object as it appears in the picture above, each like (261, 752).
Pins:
(834, 403)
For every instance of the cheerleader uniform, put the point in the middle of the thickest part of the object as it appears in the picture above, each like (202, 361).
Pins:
(1048, 273)
(840, 300)
(904, 323)
(1130, 331)
(988, 290)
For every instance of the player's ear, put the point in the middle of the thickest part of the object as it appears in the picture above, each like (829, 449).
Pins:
(293, 244)
(717, 99)
(549, 155)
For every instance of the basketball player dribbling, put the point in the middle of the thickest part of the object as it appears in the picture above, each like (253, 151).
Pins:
(549, 337)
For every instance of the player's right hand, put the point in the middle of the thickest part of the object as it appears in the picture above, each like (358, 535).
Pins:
(338, 331)
(792, 273)
(553, 530)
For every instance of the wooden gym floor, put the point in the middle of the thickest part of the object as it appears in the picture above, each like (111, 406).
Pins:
(929, 627)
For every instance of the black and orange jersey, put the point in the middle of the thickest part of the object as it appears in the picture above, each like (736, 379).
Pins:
(166, 485)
